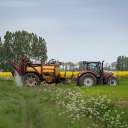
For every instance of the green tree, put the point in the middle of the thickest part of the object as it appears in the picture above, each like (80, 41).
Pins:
(21, 44)
(122, 63)
(38, 48)
(80, 66)
(118, 65)
(127, 64)
(0, 48)
(34, 47)
(71, 66)
(62, 66)
(42, 49)
(28, 45)
(113, 66)
(6, 51)
(0, 53)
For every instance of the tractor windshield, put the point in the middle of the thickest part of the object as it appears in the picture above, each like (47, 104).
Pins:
(95, 68)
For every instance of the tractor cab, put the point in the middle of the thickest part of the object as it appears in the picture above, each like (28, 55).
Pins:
(94, 66)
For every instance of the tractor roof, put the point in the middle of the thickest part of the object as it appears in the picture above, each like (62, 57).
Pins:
(85, 62)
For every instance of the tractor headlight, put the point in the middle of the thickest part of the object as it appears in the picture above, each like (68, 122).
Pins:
(113, 74)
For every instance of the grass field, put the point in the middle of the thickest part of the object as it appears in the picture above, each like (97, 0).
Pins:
(63, 106)
(117, 93)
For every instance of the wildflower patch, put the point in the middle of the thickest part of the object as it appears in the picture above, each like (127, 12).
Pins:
(77, 106)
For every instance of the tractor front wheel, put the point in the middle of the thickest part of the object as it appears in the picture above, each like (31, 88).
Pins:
(31, 80)
(87, 79)
(113, 81)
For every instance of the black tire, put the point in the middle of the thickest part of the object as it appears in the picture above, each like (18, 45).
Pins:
(112, 80)
(87, 79)
(31, 80)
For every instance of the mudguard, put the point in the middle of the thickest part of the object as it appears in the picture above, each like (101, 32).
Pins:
(83, 72)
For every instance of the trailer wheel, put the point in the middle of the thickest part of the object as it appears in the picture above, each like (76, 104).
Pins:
(31, 80)
(113, 81)
(87, 79)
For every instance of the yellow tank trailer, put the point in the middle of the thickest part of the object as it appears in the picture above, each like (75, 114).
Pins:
(33, 74)
(47, 69)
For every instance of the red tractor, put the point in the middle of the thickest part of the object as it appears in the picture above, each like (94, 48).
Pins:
(93, 74)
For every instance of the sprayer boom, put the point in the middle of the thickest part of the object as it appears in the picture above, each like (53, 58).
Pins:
(15, 65)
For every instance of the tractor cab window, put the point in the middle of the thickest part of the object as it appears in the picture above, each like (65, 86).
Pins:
(95, 68)
(85, 67)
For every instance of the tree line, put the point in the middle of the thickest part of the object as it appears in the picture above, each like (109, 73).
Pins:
(70, 66)
(21, 44)
(120, 65)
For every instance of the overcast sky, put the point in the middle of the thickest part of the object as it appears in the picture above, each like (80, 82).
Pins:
(74, 30)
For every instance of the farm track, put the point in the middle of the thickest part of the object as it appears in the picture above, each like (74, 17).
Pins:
(18, 101)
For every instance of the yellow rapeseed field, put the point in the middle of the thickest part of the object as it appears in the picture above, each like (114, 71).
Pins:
(69, 73)
(117, 73)
(6, 73)
(121, 73)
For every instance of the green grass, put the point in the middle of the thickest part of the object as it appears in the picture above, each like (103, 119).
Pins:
(112, 92)
(119, 91)
(60, 106)
(23, 107)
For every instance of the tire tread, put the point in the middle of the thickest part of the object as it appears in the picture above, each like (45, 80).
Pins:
(81, 79)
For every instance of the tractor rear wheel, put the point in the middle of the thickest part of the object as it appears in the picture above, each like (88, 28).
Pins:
(31, 80)
(87, 79)
(113, 81)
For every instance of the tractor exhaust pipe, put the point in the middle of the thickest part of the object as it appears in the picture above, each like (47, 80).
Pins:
(102, 66)
(102, 75)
